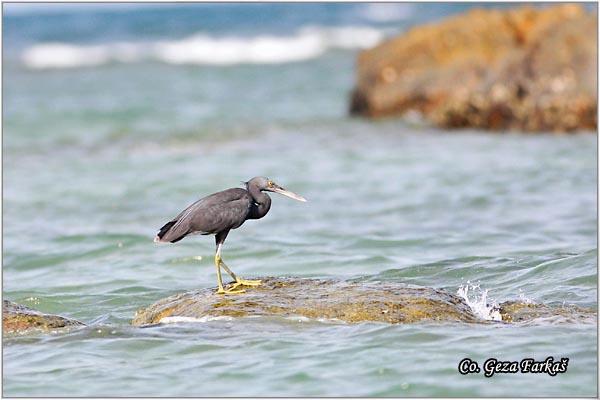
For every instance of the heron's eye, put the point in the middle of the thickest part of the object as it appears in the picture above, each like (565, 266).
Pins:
(270, 183)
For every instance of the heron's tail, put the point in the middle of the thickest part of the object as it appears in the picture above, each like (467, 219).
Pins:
(164, 234)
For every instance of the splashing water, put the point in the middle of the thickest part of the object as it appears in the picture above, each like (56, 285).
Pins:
(478, 302)
(523, 298)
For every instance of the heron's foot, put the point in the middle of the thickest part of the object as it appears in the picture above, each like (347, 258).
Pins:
(230, 290)
(246, 282)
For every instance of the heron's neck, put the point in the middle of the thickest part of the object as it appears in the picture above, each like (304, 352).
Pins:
(262, 203)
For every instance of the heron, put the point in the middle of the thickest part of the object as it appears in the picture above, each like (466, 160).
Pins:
(220, 212)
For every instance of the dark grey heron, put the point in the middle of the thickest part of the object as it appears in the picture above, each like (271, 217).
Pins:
(221, 212)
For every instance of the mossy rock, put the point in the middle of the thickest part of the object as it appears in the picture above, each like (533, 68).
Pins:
(316, 298)
(17, 318)
(525, 69)
(515, 311)
(345, 301)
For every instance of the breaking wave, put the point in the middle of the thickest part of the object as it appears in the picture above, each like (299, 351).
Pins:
(478, 302)
(202, 49)
(206, 318)
(387, 12)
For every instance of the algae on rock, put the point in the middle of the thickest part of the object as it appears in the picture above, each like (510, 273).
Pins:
(317, 298)
(17, 318)
(345, 301)
(529, 69)
(518, 311)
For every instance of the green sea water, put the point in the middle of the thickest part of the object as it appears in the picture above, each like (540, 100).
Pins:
(95, 160)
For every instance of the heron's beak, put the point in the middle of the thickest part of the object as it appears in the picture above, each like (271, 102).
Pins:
(287, 193)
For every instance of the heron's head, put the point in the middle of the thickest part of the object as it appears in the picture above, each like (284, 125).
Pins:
(267, 185)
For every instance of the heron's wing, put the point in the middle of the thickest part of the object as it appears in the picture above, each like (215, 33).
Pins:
(176, 229)
(210, 214)
(220, 217)
(221, 211)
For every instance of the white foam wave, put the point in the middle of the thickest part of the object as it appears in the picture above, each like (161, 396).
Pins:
(386, 12)
(302, 318)
(524, 299)
(61, 55)
(478, 302)
(202, 49)
(298, 318)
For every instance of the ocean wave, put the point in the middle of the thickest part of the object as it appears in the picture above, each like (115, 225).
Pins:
(478, 302)
(202, 49)
(205, 318)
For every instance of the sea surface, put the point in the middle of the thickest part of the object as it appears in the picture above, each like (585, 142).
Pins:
(117, 117)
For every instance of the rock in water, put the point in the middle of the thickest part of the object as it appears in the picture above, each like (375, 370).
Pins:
(518, 311)
(523, 69)
(316, 298)
(17, 318)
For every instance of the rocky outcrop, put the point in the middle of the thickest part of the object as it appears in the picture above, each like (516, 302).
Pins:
(17, 318)
(523, 69)
(329, 299)
(316, 298)
(518, 311)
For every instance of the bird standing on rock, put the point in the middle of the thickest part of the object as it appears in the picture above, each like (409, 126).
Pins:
(221, 212)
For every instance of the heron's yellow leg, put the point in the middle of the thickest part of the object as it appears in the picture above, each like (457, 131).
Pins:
(229, 271)
(239, 281)
(221, 289)
(247, 282)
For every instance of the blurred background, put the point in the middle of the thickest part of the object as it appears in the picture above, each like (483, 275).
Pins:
(117, 116)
